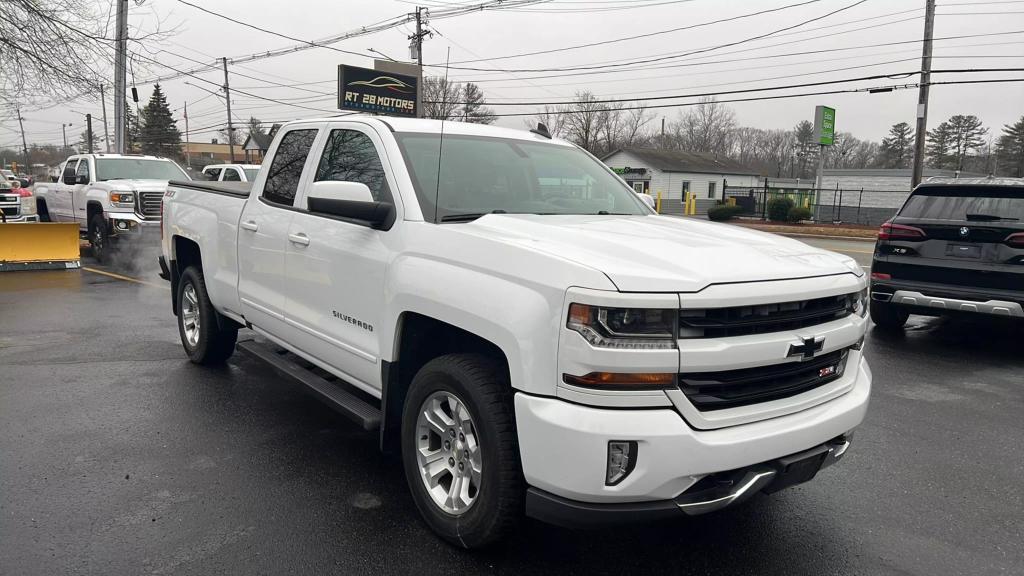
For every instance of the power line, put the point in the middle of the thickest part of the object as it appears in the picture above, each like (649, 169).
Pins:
(748, 90)
(690, 53)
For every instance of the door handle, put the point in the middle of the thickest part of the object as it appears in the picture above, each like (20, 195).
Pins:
(299, 238)
(250, 226)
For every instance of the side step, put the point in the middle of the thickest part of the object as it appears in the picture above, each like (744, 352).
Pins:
(341, 400)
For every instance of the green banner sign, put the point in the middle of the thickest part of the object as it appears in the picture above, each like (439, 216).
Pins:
(825, 125)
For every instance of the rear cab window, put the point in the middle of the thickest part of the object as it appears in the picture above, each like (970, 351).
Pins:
(231, 175)
(286, 169)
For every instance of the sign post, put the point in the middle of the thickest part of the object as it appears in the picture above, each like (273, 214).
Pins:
(377, 92)
(824, 133)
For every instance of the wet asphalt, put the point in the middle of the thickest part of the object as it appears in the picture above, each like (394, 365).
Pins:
(118, 456)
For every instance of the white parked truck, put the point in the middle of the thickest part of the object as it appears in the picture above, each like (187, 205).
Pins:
(519, 326)
(111, 197)
(231, 172)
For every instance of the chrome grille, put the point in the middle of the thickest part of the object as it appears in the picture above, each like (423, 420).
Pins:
(763, 318)
(149, 203)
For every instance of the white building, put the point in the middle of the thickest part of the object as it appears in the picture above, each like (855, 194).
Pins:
(672, 173)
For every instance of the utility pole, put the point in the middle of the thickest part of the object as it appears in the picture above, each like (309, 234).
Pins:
(188, 157)
(922, 94)
(227, 98)
(419, 37)
(88, 132)
(120, 83)
(106, 133)
(24, 145)
(64, 131)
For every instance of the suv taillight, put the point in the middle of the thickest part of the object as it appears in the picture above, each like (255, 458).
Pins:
(890, 231)
(1015, 240)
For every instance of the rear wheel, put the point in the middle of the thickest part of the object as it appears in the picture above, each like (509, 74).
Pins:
(207, 338)
(459, 449)
(888, 316)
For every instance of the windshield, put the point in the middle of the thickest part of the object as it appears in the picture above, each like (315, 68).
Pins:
(965, 203)
(138, 169)
(250, 173)
(481, 175)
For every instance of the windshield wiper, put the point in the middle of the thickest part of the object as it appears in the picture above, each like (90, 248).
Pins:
(990, 218)
(607, 213)
(469, 216)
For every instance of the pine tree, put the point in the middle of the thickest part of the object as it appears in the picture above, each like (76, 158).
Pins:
(159, 133)
(898, 148)
(83, 142)
(938, 146)
(131, 124)
(474, 109)
(1010, 149)
(966, 136)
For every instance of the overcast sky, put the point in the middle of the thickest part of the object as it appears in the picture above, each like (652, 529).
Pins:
(564, 23)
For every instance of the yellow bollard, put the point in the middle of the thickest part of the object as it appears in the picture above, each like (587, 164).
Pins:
(657, 203)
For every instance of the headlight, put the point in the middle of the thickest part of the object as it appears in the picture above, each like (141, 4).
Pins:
(28, 205)
(122, 199)
(859, 303)
(639, 328)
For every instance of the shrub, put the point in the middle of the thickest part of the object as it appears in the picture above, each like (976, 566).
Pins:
(798, 213)
(778, 208)
(723, 212)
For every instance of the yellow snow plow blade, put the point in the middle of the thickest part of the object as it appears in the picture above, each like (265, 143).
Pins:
(41, 246)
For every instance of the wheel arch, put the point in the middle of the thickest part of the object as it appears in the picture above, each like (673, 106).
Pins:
(185, 252)
(420, 338)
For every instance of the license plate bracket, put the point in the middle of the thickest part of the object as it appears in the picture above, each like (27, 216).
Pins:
(963, 250)
(797, 468)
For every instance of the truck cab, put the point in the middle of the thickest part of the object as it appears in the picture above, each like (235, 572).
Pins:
(111, 197)
(231, 172)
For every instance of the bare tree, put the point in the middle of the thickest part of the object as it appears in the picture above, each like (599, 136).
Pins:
(473, 107)
(441, 98)
(552, 118)
(583, 121)
(706, 127)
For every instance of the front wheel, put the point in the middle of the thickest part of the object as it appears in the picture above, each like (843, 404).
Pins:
(99, 238)
(459, 449)
(207, 339)
(888, 316)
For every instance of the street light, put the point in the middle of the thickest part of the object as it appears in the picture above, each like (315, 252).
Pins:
(63, 130)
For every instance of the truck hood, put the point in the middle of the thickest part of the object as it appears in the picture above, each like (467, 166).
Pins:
(663, 254)
(140, 185)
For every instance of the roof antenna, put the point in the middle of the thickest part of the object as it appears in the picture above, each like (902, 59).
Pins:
(542, 130)
(440, 141)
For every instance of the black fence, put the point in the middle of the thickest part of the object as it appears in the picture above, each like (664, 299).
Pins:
(836, 205)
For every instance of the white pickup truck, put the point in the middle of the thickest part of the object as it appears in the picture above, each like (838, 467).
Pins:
(111, 197)
(526, 332)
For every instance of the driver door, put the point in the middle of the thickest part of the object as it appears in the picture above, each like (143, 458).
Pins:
(59, 202)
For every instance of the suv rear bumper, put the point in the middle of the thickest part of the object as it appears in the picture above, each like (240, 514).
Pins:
(564, 446)
(931, 298)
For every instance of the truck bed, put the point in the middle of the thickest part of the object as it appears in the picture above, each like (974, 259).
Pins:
(239, 189)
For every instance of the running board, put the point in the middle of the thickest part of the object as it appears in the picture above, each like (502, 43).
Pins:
(341, 400)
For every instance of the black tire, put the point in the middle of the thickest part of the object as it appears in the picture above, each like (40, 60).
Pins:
(215, 337)
(888, 316)
(42, 210)
(481, 384)
(99, 238)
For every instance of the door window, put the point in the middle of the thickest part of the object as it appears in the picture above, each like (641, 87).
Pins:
(70, 169)
(213, 174)
(711, 189)
(638, 187)
(350, 156)
(83, 169)
(231, 175)
(286, 169)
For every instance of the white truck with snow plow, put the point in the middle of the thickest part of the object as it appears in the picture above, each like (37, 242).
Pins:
(525, 332)
(112, 197)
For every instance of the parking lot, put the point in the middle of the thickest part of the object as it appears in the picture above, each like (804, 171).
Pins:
(118, 456)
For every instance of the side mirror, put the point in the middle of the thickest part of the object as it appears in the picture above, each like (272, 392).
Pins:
(351, 201)
(69, 179)
(81, 179)
(54, 179)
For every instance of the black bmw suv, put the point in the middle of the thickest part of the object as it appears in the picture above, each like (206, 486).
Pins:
(956, 246)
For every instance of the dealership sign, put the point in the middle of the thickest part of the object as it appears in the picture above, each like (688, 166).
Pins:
(377, 92)
(825, 125)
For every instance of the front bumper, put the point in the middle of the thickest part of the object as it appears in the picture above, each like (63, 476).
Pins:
(722, 491)
(131, 224)
(564, 445)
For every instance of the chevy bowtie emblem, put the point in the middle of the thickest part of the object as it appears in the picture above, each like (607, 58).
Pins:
(807, 348)
(964, 231)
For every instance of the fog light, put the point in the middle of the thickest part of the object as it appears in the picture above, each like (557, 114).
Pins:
(621, 461)
(121, 225)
